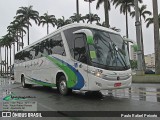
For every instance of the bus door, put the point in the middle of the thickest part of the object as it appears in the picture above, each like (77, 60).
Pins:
(81, 60)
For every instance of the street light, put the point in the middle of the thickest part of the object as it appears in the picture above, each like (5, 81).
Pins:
(90, 1)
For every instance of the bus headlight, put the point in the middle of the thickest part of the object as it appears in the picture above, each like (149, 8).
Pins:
(98, 73)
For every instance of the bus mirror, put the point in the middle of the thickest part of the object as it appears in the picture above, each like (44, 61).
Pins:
(127, 40)
(88, 34)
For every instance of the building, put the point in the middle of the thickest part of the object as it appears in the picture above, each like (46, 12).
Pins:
(133, 53)
(150, 60)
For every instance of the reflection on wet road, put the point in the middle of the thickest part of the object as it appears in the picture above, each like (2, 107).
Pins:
(150, 94)
(142, 92)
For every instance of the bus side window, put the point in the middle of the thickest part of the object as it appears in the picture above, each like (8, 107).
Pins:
(56, 45)
(79, 48)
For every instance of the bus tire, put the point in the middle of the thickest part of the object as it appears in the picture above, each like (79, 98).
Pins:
(62, 86)
(24, 85)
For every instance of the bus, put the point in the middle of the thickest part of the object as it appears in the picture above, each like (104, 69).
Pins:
(77, 56)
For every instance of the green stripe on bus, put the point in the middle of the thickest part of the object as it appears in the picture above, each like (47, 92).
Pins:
(72, 78)
(40, 83)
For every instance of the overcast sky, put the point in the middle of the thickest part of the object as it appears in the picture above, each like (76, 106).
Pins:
(66, 8)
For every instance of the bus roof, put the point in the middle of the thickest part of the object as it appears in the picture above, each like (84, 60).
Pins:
(70, 26)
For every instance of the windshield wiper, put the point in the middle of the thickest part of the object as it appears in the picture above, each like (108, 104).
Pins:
(120, 56)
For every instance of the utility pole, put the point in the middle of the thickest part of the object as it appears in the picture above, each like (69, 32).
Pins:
(140, 70)
(156, 37)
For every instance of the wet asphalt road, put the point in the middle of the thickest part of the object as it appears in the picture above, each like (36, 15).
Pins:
(141, 97)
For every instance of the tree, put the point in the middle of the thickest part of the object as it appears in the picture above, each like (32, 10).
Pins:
(143, 12)
(77, 7)
(77, 18)
(62, 22)
(92, 17)
(16, 28)
(125, 7)
(6, 42)
(22, 24)
(27, 13)
(150, 21)
(106, 10)
(156, 37)
(133, 64)
(47, 19)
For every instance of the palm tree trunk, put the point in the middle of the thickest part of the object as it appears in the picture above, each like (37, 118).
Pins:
(90, 12)
(106, 13)
(10, 56)
(13, 52)
(10, 59)
(144, 65)
(7, 60)
(22, 40)
(28, 32)
(156, 37)
(47, 29)
(126, 23)
(127, 29)
(1, 61)
(17, 41)
(77, 4)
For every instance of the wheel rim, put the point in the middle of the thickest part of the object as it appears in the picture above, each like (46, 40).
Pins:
(63, 86)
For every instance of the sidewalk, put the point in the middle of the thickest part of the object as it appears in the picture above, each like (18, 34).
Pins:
(146, 79)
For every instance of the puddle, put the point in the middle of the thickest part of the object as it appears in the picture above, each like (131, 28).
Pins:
(143, 94)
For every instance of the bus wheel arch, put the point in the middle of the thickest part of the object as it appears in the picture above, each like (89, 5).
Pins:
(61, 84)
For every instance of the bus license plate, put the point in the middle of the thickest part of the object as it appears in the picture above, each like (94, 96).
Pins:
(117, 84)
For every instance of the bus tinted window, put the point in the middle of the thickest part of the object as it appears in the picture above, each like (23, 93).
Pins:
(70, 38)
(53, 45)
(56, 45)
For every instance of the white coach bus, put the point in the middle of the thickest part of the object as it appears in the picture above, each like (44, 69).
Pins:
(76, 57)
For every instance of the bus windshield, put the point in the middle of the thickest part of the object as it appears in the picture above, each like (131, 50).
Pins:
(109, 50)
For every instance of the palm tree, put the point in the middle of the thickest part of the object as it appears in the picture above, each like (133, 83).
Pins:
(22, 24)
(156, 36)
(115, 29)
(143, 12)
(107, 7)
(92, 17)
(27, 13)
(77, 18)
(125, 7)
(1, 56)
(6, 42)
(150, 21)
(77, 6)
(62, 22)
(47, 19)
(16, 28)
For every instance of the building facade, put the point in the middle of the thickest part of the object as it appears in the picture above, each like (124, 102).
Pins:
(150, 60)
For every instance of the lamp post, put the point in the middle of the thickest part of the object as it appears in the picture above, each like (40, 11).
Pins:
(90, 1)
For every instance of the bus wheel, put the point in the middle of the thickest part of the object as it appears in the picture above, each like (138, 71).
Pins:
(62, 86)
(24, 85)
